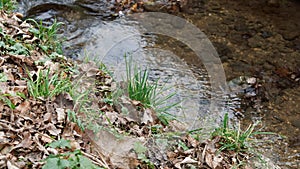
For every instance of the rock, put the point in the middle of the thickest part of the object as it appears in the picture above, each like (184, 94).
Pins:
(296, 122)
(290, 35)
(256, 41)
(193, 6)
(155, 6)
(266, 34)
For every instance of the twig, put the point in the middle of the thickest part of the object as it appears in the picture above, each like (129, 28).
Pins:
(96, 160)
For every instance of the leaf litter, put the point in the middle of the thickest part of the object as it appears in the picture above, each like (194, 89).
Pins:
(34, 129)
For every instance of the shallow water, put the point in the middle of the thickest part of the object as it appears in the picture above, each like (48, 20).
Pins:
(99, 37)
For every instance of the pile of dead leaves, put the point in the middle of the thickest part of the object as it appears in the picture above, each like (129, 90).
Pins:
(27, 124)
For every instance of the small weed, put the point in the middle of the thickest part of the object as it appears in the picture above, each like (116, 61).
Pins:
(141, 150)
(7, 5)
(9, 45)
(138, 86)
(7, 101)
(83, 100)
(149, 94)
(3, 77)
(183, 145)
(47, 35)
(236, 139)
(45, 85)
(60, 144)
(72, 117)
(71, 160)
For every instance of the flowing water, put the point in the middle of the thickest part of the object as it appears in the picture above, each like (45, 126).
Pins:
(92, 29)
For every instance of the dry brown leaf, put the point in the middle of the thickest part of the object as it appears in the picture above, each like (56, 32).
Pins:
(52, 150)
(1, 61)
(75, 145)
(209, 160)
(188, 160)
(175, 125)
(192, 141)
(134, 7)
(117, 150)
(23, 107)
(213, 161)
(45, 138)
(21, 83)
(26, 141)
(53, 130)
(147, 117)
(39, 145)
(47, 117)
(1, 108)
(61, 115)
(10, 165)
(177, 165)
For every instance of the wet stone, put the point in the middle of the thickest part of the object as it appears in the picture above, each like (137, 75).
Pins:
(241, 27)
(268, 66)
(255, 41)
(290, 35)
(241, 66)
(266, 34)
(296, 44)
(223, 50)
(296, 122)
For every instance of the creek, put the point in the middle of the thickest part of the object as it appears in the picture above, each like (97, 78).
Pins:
(92, 29)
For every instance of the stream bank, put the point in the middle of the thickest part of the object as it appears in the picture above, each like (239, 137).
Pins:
(253, 39)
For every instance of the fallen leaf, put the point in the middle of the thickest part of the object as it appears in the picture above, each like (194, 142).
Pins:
(10, 165)
(188, 160)
(53, 130)
(47, 117)
(23, 107)
(147, 117)
(60, 115)
(26, 141)
(45, 138)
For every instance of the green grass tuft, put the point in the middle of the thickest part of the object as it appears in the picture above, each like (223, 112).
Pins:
(235, 139)
(46, 86)
(149, 94)
(47, 35)
(7, 5)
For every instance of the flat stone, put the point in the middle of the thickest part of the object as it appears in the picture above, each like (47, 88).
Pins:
(255, 42)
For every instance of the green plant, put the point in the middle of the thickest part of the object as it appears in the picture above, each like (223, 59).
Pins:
(47, 35)
(138, 86)
(3, 77)
(7, 5)
(141, 150)
(149, 94)
(11, 46)
(71, 159)
(72, 117)
(7, 101)
(236, 139)
(83, 98)
(45, 85)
